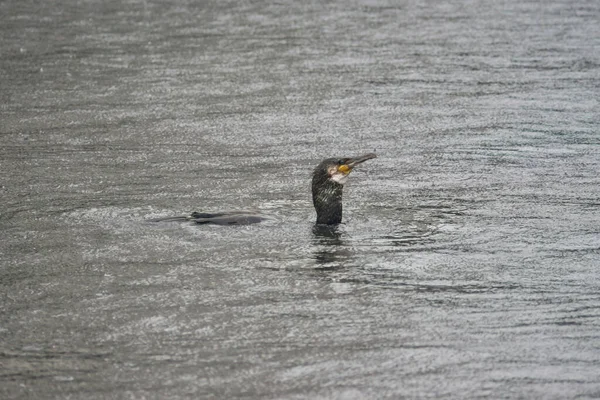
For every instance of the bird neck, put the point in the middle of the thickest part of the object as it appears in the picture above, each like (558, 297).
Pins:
(327, 199)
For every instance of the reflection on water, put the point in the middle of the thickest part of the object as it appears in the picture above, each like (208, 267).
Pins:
(331, 252)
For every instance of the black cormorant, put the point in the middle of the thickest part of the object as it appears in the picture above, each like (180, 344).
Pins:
(328, 181)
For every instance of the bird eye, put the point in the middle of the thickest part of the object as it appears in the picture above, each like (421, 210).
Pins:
(340, 162)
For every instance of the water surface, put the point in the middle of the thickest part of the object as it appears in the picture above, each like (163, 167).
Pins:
(467, 264)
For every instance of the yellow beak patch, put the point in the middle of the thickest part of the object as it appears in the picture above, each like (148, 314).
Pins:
(344, 168)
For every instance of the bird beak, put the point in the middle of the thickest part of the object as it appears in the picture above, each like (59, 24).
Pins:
(361, 159)
(354, 161)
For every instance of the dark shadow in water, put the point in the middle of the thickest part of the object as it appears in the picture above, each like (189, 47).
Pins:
(331, 252)
(327, 234)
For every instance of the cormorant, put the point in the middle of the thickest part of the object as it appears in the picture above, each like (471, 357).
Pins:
(328, 181)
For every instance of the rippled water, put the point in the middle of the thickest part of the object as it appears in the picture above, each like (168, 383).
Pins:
(467, 266)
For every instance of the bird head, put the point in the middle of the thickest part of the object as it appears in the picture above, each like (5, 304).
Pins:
(338, 169)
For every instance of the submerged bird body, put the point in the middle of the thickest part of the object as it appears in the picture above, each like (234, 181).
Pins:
(328, 181)
(222, 218)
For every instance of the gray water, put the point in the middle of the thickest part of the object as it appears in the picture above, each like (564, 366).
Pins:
(467, 266)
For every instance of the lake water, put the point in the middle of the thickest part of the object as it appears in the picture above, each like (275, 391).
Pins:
(467, 266)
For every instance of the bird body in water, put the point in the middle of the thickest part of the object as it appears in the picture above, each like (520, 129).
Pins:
(328, 181)
(217, 218)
